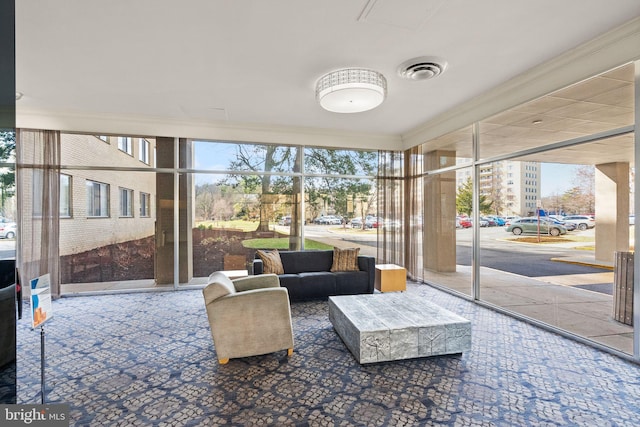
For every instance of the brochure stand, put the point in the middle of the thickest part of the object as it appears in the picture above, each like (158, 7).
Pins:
(40, 313)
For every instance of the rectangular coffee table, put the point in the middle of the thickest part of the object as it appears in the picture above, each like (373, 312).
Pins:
(383, 327)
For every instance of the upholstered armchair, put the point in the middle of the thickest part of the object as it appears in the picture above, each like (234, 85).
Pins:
(248, 316)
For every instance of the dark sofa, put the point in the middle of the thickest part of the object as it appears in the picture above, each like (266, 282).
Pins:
(307, 275)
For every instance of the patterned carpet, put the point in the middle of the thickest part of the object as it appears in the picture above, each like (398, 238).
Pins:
(148, 359)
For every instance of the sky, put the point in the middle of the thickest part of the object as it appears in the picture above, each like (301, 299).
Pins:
(556, 178)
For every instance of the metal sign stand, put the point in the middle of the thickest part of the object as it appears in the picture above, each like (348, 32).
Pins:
(42, 364)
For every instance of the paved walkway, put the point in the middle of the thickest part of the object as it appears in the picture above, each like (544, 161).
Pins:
(559, 301)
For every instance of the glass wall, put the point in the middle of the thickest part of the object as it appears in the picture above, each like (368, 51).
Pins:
(440, 190)
(276, 197)
(107, 217)
(121, 227)
(550, 209)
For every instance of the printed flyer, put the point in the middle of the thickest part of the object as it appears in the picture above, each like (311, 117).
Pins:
(40, 300)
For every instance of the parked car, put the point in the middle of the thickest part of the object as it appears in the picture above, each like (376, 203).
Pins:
(500, 222)
(285, 220)
(392, 224)
(490, 221)
(7, 230)
(581, 221)
(509, 219)
(328, 220)
(373, 222)
(356, 222)
(632, 220)
(568, 225)
(465, 222)
(530, 225)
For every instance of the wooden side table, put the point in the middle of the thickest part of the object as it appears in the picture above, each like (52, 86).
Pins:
(390, 278)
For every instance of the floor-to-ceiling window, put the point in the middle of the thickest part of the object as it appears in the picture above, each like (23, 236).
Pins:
(550, 196)
(440, 196)
(161, 212)
(107, 220)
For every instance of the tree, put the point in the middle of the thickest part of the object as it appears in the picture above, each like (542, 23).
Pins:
(584, 181)
(263, 158)
(214, 202)
(464, 199)
(337, 192)
(327, 162)
(7, 175)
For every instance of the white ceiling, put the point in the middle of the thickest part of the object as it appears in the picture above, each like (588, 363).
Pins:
(255, 62)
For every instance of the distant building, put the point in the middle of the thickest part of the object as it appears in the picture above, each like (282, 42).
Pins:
(99, 207)
(512, 186)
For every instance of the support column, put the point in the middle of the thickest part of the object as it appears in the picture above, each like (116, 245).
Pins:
(612, 210)
(165, 213)
(439, 239)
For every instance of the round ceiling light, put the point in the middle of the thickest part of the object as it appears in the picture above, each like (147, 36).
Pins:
(422, 68)
(351, 90)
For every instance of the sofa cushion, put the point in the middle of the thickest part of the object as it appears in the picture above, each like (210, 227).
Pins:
(295, 262)
(289, 281)
(345, 259)
(352, 282)
(316, 284)
(271, 261)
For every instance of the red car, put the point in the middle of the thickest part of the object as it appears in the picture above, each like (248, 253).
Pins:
(465, 222)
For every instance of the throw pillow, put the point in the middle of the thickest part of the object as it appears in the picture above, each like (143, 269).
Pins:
(271, 261)
(345, 259)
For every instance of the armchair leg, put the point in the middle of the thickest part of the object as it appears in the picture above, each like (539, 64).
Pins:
(223, 361)
(289, 352)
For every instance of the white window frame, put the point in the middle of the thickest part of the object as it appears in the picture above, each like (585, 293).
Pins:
(97, 199)
(145, 205)
(126, 202)
(143, 152)
(66, 205)
(125, 144)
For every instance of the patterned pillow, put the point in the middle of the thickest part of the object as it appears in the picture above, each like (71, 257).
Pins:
(345, 259)
(272, 262)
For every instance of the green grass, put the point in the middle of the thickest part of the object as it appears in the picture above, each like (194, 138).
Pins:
(236, 224)
(282, 243)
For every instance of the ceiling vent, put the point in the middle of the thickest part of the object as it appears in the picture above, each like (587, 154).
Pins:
(422, 68)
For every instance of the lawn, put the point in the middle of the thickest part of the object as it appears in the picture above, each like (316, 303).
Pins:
(282, 243)
(236, 224)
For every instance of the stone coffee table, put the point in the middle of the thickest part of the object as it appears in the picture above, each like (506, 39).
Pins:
(383, 327)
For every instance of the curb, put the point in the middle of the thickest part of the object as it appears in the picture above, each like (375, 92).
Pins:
(585, 263)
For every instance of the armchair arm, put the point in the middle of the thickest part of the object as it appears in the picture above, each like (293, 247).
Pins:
(256, 282)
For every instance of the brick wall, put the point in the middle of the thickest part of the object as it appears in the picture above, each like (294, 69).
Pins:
(80, 233)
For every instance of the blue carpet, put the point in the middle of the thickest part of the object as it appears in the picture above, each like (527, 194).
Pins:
(148, 359)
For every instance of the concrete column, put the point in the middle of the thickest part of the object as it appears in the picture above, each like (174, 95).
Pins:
(439, 239)
(165, 213)
(612, 209)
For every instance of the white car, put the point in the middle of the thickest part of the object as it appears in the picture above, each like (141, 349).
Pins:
(7, 230)
(582, 222)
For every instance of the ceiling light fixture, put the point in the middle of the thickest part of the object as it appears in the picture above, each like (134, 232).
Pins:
(351, 90)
